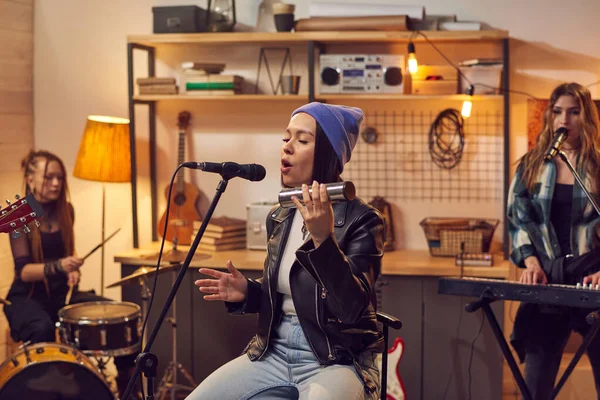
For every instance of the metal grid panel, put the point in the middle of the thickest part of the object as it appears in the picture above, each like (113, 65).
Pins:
(398, 165)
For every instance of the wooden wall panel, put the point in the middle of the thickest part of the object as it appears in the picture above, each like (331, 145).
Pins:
(16, 118)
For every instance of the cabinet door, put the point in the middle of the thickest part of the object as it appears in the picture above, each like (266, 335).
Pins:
(217, 336)
(448, 335)
(401, 297)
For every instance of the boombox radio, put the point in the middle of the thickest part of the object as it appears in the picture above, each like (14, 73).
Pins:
(355, 73)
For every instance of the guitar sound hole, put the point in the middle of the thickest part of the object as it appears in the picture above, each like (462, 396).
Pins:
(180, 199)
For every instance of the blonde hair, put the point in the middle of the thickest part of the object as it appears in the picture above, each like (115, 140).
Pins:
(590, 136)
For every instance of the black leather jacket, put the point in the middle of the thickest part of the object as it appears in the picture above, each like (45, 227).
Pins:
(332, 286)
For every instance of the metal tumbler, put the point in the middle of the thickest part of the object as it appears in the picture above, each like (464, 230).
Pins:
(337, 191)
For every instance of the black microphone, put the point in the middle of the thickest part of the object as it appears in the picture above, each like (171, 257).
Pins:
(228, 170)
(560, 136)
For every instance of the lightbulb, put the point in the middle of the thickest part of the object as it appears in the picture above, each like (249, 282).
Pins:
(467, 105)
(466, 109)
(413, 66)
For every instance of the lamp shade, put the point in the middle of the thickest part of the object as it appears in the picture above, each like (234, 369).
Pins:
(104, 150)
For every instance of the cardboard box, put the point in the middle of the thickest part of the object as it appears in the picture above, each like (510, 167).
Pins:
(488, 76)
(435, 79)
(434, 87)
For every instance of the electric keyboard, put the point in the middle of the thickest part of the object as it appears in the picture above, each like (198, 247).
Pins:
(560, 295)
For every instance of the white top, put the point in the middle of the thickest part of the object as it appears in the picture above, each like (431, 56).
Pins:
(294, 241)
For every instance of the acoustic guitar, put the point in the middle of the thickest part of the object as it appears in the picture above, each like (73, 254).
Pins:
(184, 198)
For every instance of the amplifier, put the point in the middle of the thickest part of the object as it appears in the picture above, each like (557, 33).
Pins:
(361, 73)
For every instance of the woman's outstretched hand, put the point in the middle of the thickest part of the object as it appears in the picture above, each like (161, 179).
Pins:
(317, 212)
(231, 287)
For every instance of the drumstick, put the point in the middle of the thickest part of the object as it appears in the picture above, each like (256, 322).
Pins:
(100, 245)
(69, 293)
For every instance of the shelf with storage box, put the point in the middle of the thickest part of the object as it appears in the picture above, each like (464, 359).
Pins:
(495, 43)
(235, 38)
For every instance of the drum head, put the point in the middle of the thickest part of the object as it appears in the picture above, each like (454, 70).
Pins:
(98, 312)
(56, 380)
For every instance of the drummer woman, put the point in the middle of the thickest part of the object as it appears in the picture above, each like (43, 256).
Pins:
(46, 265)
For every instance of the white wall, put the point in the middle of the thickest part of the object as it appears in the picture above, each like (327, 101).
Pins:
(80, 69)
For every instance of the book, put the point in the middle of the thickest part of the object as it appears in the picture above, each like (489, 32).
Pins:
(223, 224)
(213, 78)
(460, 26)
(219, 92)
(480, 61)
(221, 247)
(219, 241)
(324, 8)
(214, 68)
(210, 85)
(158, 89)
(221, 235)
(153, 80)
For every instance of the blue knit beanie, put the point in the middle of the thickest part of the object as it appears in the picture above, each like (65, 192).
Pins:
(340, 123)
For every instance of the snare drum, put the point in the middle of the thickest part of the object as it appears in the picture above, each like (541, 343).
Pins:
(51, 371)
(101, 328)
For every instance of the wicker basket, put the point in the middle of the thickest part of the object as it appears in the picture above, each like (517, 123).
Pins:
(445, 236)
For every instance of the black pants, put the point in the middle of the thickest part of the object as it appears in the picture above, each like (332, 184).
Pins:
(32, 319)
(550, 331)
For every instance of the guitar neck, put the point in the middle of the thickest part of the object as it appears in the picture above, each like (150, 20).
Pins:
(180, 160)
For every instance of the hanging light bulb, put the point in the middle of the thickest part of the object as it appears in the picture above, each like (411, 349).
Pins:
(413, 66)
(467, 105)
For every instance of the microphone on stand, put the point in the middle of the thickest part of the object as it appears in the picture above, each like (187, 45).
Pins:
(228, 170)
(560, 136)
(337, 191)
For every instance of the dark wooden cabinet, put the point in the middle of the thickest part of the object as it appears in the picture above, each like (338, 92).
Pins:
(437, 332)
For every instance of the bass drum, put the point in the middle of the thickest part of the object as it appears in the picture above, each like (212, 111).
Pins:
(51, 371)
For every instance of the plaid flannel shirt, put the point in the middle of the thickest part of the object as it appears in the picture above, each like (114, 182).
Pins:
(530, 228)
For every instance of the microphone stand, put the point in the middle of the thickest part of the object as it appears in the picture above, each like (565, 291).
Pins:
(146, 361)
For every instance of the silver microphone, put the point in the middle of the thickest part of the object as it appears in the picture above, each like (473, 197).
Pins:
(560, 136)
(337, 191)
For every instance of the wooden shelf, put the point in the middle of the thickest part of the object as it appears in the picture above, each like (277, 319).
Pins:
(411, 97)
(304, 98)
(237, 38)
(397, 262)
(238, 97)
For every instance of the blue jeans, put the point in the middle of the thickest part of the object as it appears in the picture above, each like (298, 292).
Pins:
(289, 370)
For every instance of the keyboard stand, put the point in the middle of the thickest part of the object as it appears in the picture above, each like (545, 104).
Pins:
(593, 318)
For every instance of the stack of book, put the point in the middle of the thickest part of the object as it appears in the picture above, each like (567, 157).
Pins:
(156, 85)
(222, 233)
(204, 79)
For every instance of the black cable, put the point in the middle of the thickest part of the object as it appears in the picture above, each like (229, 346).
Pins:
(592, 84)
(473, 350)
(162, 244)
(447, 153)
(456, 335)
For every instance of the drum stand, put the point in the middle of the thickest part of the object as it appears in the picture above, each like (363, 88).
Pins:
(168, 383)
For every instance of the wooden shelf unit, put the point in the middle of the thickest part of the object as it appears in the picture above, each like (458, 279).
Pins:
(235, 38)
(315, 42)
